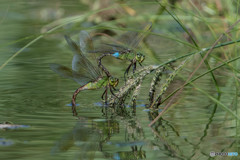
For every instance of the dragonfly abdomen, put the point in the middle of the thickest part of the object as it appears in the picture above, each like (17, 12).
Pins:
(74, 111)
(116, 54)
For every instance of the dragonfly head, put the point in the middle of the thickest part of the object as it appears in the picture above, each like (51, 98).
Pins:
(140, 57)
(113, 81)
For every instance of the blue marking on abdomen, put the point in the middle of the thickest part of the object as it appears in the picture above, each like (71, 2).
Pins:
(116, 54)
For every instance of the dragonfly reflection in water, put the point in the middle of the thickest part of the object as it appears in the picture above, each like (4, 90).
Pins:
(83, 71)
(126, 51)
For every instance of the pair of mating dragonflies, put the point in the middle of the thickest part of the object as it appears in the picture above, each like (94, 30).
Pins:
(90, 76)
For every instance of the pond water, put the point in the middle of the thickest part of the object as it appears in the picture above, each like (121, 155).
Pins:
(33, 96)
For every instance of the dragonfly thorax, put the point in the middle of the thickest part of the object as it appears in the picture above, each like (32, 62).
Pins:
(129, 50)
(126, 51)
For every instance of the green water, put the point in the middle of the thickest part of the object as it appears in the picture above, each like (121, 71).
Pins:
(31, 94)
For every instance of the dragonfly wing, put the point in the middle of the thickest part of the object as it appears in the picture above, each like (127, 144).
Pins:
(62, 70)
(116, 47)
(103, 51)
(139, 37)
(73, 46)
(86, 45)
(76, 66)
(107, 48)
(80, 79)
(68, 73)
(132, 38)
(85, 42)
(80, 63)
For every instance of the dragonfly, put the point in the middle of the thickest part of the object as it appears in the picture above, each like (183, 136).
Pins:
(88, 75)
(126, 52)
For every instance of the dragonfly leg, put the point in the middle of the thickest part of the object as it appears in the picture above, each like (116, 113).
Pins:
(127, 70)
(112, 92)
(74, 111)
(104, 94)
(134, 66)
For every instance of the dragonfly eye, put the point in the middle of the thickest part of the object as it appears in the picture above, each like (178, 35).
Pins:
(140, 57)
(113, 81)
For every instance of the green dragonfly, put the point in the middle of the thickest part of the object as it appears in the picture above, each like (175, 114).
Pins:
(83, 71)
(127, 51)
